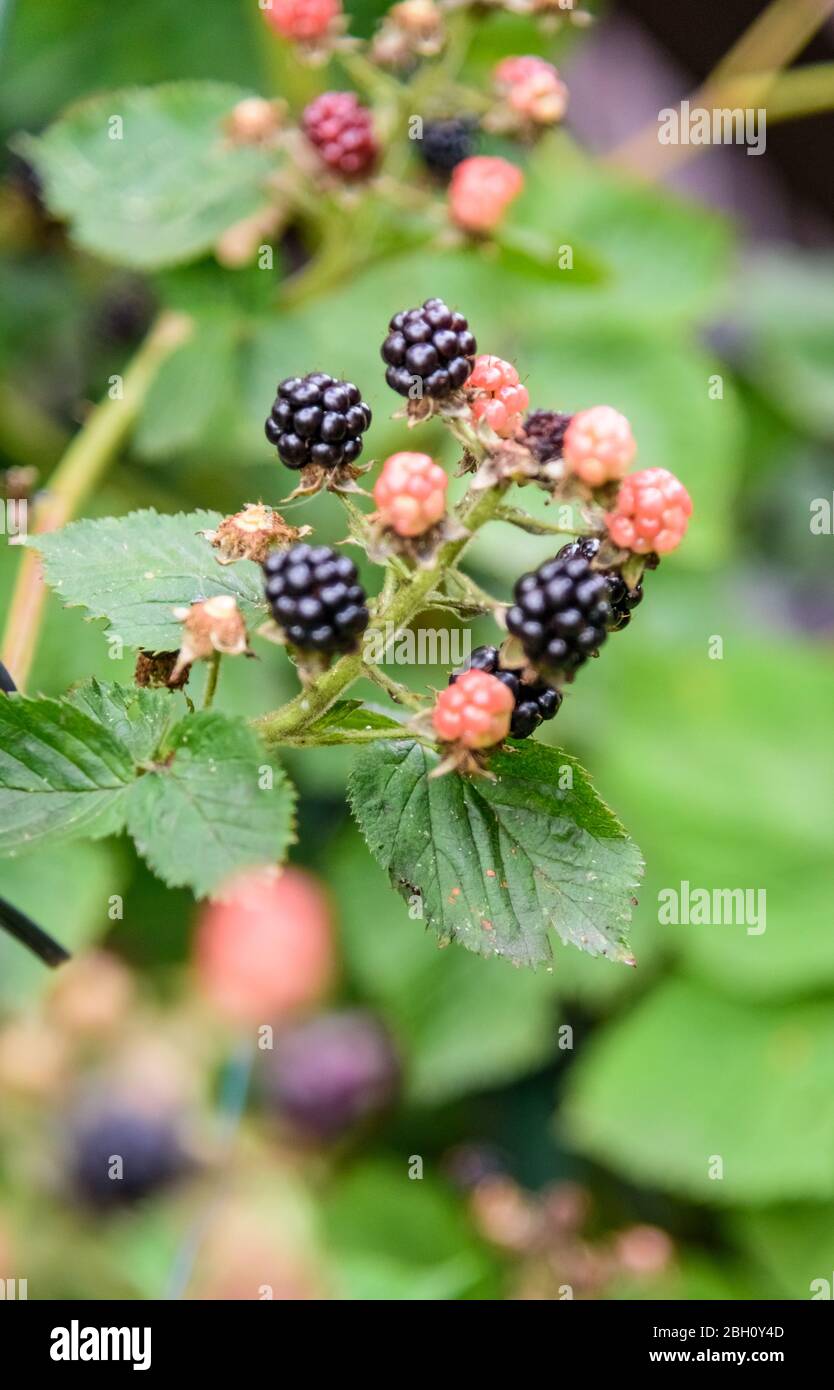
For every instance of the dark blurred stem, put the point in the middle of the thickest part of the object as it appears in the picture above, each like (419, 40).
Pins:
(75, 478)
(211, 681)
(28, 933)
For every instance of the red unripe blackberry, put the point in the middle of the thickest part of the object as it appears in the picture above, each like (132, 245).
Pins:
(481, 190)
(620, 598)
(317, 419)
(561, 614)
(544, 433)
(429, 351)
(651, 513)
(599, 446)
(475, 710)
(329, 1074)
(534, 701)
(533, 88)
(315, 598)
(499, 398)
(302, 20)
(342, 131)
(410, 493)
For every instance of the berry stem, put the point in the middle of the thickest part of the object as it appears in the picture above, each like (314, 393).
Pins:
(516, 517)
(400, 694)
(477, 507)
(76, 476)
(211, 680)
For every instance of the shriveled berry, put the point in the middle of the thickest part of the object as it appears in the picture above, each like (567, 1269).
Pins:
(599, 446)
(446, 143)
(499, 398)
(534, 700)
(429, 351)
(317, 419)
(481, 190)
(561, 614)
(342, 131)
(327, 1075)
(651, 513)
(302, 20)
(532, 88)
(544, 433)
(315, 598)
(410, 493)
(474, 711)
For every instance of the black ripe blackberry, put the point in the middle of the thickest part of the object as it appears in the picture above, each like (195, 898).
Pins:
(561, 613)
(429, 351)
(534, 701)
(446, 143)
(316, 419)
(119, 1155)
(315, 599)
(544, 433)
(621, 599)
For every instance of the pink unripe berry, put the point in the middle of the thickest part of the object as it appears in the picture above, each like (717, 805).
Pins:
(599, 446)
(481, 190)
(265, 949)
(475, 711)
(500, 400)
(410, 493)
(302, 19)
(533, 88)
(651, 514)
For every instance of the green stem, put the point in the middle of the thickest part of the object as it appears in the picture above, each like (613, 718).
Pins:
(331, 738)
(400, 694)
(211, 681)
(516, 517)
(478, 507)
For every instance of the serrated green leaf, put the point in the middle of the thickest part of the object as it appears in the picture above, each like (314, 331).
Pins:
(135, 570)
(690, 1078)
(195, 796)
(202, 813)
(499, 863)
(163, 190)
(62, 773)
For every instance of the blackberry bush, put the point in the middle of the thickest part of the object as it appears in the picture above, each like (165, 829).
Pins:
(429, 351)
(318, 419)
(315, 598)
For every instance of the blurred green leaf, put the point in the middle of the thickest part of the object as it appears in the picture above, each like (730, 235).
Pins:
(689, 1078)
(794, 1244)
(162, 190)
(465, 1024)
(191, 391)
(135, 570)
(495, 864)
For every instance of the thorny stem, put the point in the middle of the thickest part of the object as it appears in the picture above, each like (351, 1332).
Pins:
(477, 507)
(76, 476)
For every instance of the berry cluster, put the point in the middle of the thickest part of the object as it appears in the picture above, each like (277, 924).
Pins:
(316, 419)
(475, 711)
(342, 132)
(315, 598)
(429, 351)
(561, 614)
(499, 398)
(410, 493)
(446, 143)
(534, 700)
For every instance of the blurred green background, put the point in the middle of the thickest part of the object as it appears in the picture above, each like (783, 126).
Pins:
(544, 1166)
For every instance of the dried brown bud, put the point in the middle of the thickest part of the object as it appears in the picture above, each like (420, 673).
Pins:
(211, 625)
(156, 668)
(251, 534)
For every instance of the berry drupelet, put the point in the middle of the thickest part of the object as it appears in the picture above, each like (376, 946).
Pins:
(561, 614)
(342, 132)
(534, 701)
(317, 419)
(315, 598)
(429, 351)
(446, 143)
